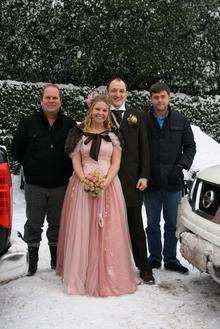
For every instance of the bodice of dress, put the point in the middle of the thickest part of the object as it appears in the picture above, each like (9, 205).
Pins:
(104, 158)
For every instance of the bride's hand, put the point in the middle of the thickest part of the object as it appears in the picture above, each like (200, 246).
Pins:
(82, 178)
(105, 184)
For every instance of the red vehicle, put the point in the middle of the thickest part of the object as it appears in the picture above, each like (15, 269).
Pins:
(5, 202)
(13, 254)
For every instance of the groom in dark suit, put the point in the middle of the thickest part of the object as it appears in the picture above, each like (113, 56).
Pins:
(134, 170)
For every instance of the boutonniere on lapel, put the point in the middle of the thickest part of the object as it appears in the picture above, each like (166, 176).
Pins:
(132, 120)
(113, 126)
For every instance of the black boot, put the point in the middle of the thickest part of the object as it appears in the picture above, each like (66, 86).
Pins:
(53, 253)
(147, 276)
(32, 260)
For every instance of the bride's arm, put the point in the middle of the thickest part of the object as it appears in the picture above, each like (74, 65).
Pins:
(115, 165)
(77, 165)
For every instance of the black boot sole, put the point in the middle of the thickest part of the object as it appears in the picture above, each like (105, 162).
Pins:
(30, 273)
(176, 270)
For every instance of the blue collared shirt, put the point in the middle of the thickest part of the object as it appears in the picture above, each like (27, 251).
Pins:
(160, 119)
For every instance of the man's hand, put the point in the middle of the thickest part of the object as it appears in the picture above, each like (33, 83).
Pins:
(142, 184)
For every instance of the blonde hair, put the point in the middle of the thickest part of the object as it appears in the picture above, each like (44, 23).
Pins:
(88, 118)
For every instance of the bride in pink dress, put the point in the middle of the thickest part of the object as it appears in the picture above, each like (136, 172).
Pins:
(94, 256)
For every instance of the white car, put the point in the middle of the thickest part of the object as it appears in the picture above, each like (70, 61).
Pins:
(198, 226)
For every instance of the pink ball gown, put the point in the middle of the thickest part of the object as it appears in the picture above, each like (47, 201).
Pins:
(94, 257)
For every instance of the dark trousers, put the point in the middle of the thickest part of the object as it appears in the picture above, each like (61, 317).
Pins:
(40, 203)
(138, 238)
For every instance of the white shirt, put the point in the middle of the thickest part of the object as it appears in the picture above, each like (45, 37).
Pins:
(121, 108)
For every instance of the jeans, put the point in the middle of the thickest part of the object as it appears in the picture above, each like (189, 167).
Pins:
(154, 202)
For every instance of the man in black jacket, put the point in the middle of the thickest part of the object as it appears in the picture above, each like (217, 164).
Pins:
(134, 169)
(38, 144)
(172, 149)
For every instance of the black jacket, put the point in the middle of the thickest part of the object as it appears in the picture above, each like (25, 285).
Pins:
(135, 156)
(40, 150)
(171, 147)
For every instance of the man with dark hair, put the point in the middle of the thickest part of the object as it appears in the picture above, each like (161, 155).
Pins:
(134, 170)
(38, 145)
(172, 149)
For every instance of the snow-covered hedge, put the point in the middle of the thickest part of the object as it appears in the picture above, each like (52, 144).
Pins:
(21, 99)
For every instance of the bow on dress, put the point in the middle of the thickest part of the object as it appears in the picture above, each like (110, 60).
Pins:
(96, 143)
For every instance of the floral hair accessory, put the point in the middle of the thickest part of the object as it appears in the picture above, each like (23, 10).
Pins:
(89, 99)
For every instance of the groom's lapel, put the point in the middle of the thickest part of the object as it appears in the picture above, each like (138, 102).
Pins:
(125, 117)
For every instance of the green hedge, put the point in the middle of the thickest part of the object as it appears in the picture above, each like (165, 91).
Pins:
(21, 99)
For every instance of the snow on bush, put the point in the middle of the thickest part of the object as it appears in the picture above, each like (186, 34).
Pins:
(21, 99)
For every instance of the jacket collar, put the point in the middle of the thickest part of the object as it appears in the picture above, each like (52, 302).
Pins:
(44, 118)
(174, 118)
(168, 113)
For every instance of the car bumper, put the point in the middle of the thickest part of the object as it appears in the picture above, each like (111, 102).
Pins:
(201, 254)
(199, 240)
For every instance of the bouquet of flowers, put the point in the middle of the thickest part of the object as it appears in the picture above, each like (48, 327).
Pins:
(93, 183)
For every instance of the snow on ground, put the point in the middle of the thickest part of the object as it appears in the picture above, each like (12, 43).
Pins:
(176, 301)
